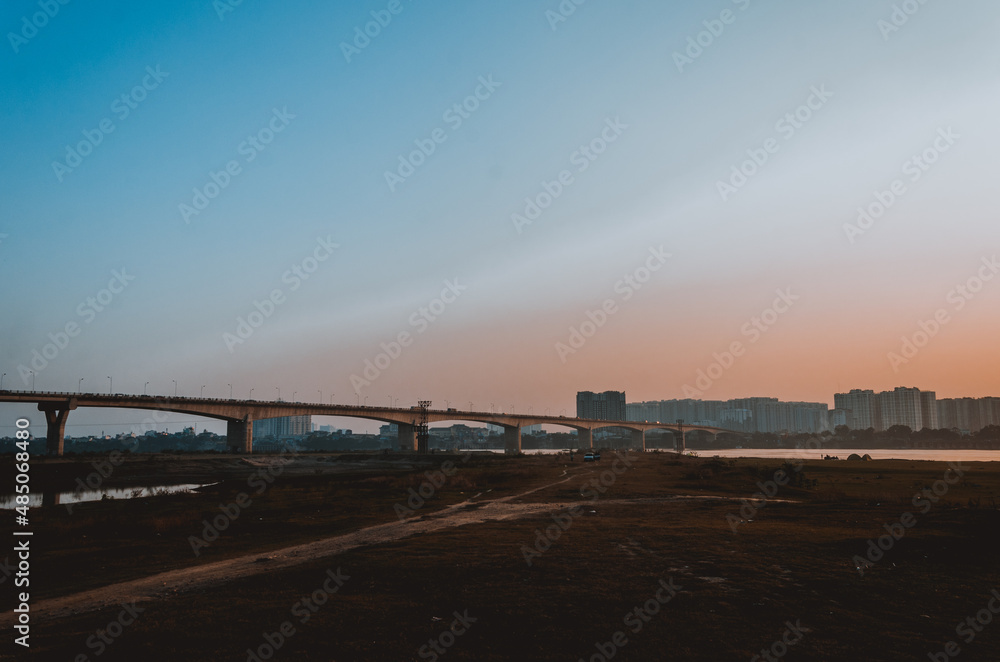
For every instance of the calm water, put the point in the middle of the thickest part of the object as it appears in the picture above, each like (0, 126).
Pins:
(35, 500)
(807, 454)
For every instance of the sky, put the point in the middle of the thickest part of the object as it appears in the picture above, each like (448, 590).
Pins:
(497, 203)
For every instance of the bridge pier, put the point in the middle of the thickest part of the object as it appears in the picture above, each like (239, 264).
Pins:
(239, 435)
(639, 440)
(679, 444)
(55, 419)
(512, 439)
(585, 438)
(407, 436)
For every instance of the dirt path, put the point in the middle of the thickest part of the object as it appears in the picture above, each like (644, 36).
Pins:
(170, 583)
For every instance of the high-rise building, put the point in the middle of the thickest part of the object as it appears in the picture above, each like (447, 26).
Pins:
(862, 407)
(968, 414)
(901, 406)
(284, 426)
(742, 415)
(606, 406)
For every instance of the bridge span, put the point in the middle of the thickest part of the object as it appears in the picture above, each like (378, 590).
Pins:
(240, 415)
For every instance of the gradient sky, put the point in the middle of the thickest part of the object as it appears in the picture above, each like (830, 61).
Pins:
(656, 185)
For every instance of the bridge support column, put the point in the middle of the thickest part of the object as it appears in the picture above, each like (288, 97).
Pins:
(407, 436)
(239, 435)
(512, 439)
(585, 438)
(639, 440)
(55, 419)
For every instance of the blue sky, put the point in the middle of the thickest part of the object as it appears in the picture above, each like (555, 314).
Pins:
(323, 176)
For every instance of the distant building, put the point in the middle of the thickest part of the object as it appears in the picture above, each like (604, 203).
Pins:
(968, 414)
(606, 406)
(862, 409)
(742, 414)
(284, 426)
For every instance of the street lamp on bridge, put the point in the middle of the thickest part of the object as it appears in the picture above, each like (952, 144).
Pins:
(175, 387)
(1, 380)
(251, 394)
(202, 393)
(230, 391)
(32, 379)
(110, 384)
(79, 385)
(320, 396)
(144, 388)
(278, 388)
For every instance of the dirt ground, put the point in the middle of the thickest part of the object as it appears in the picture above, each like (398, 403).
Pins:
(651, 556)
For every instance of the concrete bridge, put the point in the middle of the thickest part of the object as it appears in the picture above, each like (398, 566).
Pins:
(240, 415)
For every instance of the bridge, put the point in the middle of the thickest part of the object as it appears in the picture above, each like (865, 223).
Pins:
(240, 415)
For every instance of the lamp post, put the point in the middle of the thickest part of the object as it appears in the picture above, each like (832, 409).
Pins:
(1, 380)
(492, 409)
(390, 400)
(320, 396)
(251, 394)
(366, 401)
(175, 387)
(470, 405)
(144, 388)
(278, 388)
(201, 394)
(331, 398)
(32, 379)
(230, 391)
(79, 385)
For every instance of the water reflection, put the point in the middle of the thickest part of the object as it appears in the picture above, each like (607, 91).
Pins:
(7, 501)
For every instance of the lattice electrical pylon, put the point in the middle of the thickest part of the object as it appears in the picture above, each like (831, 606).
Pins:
(423, 435)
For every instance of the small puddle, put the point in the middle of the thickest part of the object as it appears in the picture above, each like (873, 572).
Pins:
(9, 501)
